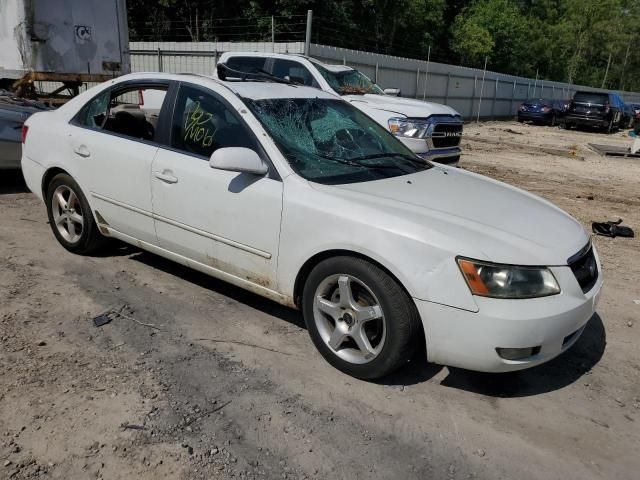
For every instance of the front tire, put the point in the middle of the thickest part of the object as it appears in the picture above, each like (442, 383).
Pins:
(70, 216)
(359, 318)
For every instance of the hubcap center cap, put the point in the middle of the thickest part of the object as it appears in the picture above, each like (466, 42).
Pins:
(348, 319)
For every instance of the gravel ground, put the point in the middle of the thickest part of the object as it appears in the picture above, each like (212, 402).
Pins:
(193, 378)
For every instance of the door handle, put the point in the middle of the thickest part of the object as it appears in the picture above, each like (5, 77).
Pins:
(165, 177)
(82, 151)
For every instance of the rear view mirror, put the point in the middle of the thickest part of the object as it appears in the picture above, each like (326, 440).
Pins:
(395, 92)
(294, 79)
(238, 159)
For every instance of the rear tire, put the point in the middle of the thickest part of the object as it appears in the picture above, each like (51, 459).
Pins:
(359, 318)
(70, 216)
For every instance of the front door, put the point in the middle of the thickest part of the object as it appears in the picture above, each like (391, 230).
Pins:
(226, 220)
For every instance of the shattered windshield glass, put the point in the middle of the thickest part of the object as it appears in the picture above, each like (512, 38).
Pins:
(329, 141)
(349, 82)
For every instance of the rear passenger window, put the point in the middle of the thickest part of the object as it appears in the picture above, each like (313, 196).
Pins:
(94, 113)
(294, 72)
(202, 123)
(132, 112)
(246, 64)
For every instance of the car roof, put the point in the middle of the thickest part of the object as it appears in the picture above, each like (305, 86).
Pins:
(266, 90)
(288, 56)
(247, 89)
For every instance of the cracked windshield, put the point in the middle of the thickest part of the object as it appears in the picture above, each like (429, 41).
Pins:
(349, 82)
(329, 141)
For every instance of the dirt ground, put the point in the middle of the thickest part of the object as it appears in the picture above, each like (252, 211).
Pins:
(198, 379)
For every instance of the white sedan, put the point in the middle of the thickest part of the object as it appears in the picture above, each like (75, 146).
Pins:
(296, 195)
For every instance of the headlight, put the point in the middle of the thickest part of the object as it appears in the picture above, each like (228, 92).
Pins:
(404, 127)
(507, 281)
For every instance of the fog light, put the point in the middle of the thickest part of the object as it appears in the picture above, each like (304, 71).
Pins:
(517, 353)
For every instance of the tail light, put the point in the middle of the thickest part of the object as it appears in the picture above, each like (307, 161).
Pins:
(545, 109)
(25, 130)
(606, 107)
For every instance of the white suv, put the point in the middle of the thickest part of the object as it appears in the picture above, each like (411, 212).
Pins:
(431, 130)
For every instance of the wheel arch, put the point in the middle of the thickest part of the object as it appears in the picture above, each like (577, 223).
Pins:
(48, 176)
(305, 270)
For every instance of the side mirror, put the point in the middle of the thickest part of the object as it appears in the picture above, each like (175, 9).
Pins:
(394, 92)
(238, 159)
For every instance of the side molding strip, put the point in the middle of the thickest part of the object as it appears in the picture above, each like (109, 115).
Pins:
(188, 228)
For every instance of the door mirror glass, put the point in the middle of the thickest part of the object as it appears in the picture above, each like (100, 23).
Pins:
(395, 92)
(238, 159)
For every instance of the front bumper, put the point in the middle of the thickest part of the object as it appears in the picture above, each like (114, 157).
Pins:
(420, 146)
(465, 339)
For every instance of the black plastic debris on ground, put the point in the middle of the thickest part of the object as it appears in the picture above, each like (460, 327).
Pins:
(612, 229)
(101, 320)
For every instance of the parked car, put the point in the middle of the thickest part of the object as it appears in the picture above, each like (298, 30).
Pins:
(595, 109)
(296, 195)
(13, 113)
(540, 110)
(431, 130)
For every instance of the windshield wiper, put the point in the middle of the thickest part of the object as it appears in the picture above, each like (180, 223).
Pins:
(404, 156)
(352, 163)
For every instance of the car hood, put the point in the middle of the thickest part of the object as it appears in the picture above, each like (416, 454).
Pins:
(471, 215)
(402, 106)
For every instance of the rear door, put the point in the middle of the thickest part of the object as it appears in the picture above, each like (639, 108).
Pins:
(228, 221)
(293, 71)
(114, 139)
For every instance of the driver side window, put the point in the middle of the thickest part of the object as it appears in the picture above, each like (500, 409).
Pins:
(202, 123)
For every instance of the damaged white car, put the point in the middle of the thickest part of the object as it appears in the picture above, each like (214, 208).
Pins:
(298, 196)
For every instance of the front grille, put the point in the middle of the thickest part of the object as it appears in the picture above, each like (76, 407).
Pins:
(446, 135)
(584, 267)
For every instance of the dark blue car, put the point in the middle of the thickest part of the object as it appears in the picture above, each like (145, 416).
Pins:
(541, 110)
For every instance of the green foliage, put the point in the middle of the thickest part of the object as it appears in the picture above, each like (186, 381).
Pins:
(590, 42)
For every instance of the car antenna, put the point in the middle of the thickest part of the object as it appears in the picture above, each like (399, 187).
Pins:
(226, 73)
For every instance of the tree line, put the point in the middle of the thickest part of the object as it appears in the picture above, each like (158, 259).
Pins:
(587, 42)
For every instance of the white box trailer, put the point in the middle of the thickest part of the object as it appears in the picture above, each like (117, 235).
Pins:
(63, 40)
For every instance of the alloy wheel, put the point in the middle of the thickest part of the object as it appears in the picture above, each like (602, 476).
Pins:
(349, 318)
(67, 213)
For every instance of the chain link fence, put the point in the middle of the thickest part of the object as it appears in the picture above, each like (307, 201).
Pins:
(194, 47)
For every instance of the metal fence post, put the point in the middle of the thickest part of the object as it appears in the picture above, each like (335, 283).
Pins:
(495, 98)
(474, 94)
(159, 60)
(307, 37)
(417, 83)
(273, 34)
(376, 75)
(513, 96)
(484, 72)
(446, 92)
(426, 74)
